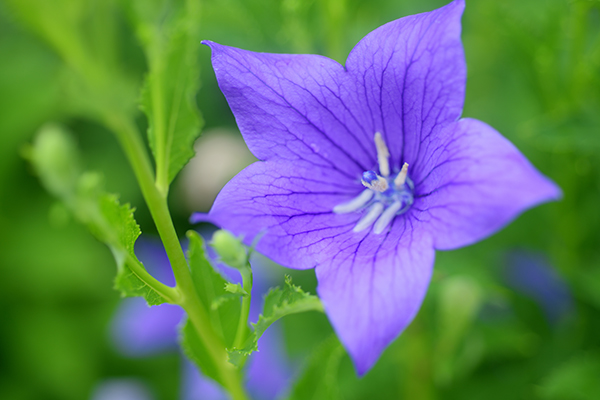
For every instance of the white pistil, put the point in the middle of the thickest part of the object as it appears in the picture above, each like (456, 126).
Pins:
(366, 221)
(386, 217)
(355, 203)
(382, 155)
(380, 185)
(401, 178)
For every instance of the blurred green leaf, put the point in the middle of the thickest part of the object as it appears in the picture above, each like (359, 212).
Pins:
(459, 300)
(319, 380)
(279, 302)
(168, 32)
(577, 379)
(54, 156)
(587, 283)
(84, 34)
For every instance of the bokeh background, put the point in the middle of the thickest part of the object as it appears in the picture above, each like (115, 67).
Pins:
(516, 316)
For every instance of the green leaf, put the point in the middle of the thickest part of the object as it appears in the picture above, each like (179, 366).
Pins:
(168, 32)
(211, 286)
(234, 291)
(279, 302)
(54, 156)
(116, 226)
(196, 351)
(460, 299)
(575, 379)
(319, 377)
(85, 34)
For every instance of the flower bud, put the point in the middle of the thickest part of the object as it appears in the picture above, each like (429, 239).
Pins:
(55, 158)
(230, 249)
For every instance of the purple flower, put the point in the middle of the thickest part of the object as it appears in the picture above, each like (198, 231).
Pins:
(139, 330)
(366, 169)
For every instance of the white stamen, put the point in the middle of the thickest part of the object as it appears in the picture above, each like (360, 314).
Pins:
(386, 217)
(382, 155)
(355, 203)
(401, 178)
(369, 218)
(380, 185)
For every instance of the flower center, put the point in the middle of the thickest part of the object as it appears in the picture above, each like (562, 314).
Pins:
(386, 195)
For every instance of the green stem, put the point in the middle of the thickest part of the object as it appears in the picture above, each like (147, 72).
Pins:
(242, 329)
(134, 148)
(160, 151)
(170, 294)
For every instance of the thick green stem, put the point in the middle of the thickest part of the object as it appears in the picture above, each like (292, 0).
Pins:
(135, 150)
(242, 329)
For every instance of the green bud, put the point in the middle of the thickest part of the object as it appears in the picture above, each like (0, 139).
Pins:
(230, 249)
(55, 158)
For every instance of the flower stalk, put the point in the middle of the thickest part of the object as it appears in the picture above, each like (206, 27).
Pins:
(186, 296)
(242, 329)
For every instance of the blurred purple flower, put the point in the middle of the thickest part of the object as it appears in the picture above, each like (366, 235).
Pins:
(365, 170)
(121, 389)
(530, 274)
(139, 330)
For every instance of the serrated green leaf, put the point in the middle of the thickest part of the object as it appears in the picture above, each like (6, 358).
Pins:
(196, 351)
(169, 34)
(235, 288)
(116, 227)
(279, 302)
(318, 379)
(219, 301)
(234, 291)
(54, 156)
(210, 286)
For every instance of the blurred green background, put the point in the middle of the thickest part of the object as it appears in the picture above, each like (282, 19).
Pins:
(533, 74)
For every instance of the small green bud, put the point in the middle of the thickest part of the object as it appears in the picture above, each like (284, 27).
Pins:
(230, 249)
(55, 158)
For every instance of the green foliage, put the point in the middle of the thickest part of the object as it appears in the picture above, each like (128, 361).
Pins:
(534, 69)
(211, 286)
(319, 378)
(196, 351)
(234, 291)
(576, 379)
(218, 297)
(279, 302)
(459, 301)
(168, 31)
(85, 35)
(54, 157)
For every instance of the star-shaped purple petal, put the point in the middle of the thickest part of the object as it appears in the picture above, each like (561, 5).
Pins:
(366, 169)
